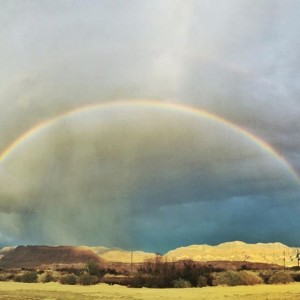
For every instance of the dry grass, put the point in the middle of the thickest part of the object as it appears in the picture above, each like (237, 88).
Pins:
(55, 291)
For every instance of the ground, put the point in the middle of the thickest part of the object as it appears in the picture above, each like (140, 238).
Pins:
(55, 291)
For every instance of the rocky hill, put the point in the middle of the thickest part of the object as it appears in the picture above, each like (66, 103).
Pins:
(118, 255)
(5, 250)
(33, 256)
(270, 253)
(39, 256)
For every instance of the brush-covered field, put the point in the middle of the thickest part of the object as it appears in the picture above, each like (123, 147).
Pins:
(55, 291)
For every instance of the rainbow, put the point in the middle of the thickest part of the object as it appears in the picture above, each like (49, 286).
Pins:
(170, 106)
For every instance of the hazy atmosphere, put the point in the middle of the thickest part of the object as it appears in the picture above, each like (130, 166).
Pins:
(149, 124)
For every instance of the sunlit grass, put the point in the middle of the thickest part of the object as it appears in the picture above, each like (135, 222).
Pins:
(55, 291)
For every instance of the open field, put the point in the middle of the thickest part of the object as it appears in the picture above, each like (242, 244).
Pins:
(55, 291)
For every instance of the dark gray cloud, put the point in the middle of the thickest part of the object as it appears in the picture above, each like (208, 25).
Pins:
(239, 60)
(248, 219)
(99, 174)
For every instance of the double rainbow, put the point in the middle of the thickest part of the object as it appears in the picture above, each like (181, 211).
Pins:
(170, 106)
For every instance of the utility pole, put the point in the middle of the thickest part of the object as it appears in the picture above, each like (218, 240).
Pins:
(131, 261)
(284, 260)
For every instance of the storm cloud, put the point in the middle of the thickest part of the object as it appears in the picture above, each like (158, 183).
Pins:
(138, 172)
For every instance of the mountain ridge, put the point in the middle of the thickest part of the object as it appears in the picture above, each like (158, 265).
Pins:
(270, 253)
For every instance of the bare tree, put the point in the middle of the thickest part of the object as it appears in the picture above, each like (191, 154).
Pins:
(296, 256)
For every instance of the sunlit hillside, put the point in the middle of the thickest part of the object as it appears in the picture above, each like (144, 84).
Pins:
(270, 253)
(273, 253)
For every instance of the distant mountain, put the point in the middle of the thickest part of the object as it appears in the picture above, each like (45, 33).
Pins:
(39, 256)
(32, 256)
(5, 250)
(271, 253)
(120, 255)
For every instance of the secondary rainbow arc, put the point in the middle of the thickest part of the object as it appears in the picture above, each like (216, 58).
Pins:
(171, 106)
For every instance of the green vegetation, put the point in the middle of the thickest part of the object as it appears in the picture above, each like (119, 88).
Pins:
(250, 278)
(280, 277)
(87, 279)
(154, 273)
(3, 278)
(92, 268)
(181, 283)
(28, 277)
(69, 279)
(46, 277)
(233, 278)
(202, 281)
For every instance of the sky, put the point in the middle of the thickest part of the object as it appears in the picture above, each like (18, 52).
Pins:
(149, 124)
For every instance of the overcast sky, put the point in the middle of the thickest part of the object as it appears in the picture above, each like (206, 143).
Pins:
(148, 177)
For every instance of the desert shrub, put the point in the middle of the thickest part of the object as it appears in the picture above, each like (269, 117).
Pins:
(233, 278)
(163, 274)
(29, 277)
(17, 278)
(139, 280)
(92, 267)
(46, 277)
(70, 279)
(75, 271)
(202, 281)
(151, 281)
(250, 278)
(212, 279)
(102, 272)
(87, 279)
(120, 280)
(296, 277)
(3, 278)
(230, 278)
(280, 277)
(265, 276)
(181, 283)
(155, 274)
(10, 276)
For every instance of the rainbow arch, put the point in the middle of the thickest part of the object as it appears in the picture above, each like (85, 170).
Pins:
(171, 106)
